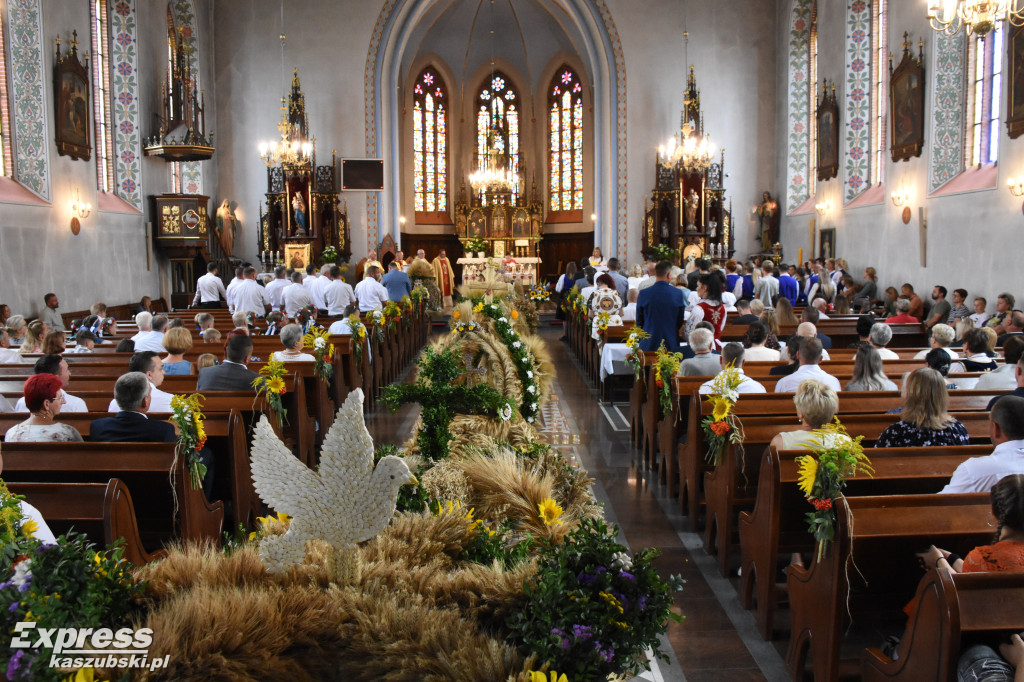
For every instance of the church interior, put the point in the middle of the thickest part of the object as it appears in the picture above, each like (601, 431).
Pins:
(144, 143)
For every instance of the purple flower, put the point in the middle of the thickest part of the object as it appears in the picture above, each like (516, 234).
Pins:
(605, 654)
(586, 578)
(641, 603)
(25, 586)
(600, 569)
(583, 632)
(565, 640)
(15, 664)
(627, 576)
(13, 607)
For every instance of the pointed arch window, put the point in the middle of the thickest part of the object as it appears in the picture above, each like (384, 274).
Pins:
(498, 109)
(430, 142)
(565, 144)
(101, 95)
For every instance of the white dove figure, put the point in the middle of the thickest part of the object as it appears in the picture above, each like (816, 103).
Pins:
(347, 501)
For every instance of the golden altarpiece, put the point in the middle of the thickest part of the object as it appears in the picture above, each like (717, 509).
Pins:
(304, 214)
(510, 226)
(687, 208)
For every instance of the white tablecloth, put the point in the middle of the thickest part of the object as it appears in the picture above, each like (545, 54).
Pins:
(613, 360)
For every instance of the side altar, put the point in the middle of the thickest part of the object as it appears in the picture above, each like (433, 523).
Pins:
(522, 270)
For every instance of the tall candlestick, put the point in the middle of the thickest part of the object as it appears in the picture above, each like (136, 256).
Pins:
(800, 256)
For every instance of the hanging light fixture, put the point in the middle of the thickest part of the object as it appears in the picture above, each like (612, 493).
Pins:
(978, 16)
(493, 174)
(693, 152)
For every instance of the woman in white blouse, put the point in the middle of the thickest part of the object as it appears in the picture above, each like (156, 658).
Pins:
(43, 398)
(291, 339)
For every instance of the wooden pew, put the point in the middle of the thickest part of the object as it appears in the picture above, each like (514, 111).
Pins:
(74, 505)
(148, 463)
(880, 533)
(637, 399)
(777, 524)
(950, 607)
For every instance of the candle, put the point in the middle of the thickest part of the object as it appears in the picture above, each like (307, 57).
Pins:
(800, 255)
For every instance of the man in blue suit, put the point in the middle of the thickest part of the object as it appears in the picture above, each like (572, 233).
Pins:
(131, 392)
(396, 282)
(659, 311)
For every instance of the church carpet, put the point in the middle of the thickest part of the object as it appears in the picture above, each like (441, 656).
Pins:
(718, 639)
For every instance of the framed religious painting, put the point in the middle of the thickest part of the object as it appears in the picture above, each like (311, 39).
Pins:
(71, 106)
(827, 243)
(297, 256)
(477, 225)
(1015, 62)
(827, 119)
(521, 223)
(906, 104)
(498, 226)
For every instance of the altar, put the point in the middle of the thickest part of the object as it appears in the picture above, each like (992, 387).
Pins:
(522, 270)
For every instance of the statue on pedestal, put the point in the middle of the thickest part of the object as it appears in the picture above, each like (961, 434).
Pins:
(690, 209)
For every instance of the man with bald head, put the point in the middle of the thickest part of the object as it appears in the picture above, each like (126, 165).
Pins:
(809, 331)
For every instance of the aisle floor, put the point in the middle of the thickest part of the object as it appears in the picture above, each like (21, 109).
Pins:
(718, 639)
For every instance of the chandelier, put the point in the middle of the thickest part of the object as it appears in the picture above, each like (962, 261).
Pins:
(686, 150)
(296, 147)
(979, 16)
(286, 152)
(493, 175)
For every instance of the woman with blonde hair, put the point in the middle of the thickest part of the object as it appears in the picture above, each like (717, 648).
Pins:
(842, 305)
(963, 326)
(771, 323)
(784, 313)
(16, 329)
(54, 343)
(34, 335)
(205, 360)
(816, 405)
(868, 374)
(890, 301)
(925, 418)
(177, 341)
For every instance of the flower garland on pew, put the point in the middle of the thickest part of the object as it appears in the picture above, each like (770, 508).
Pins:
(602, 323)
(376, 319)
(722, 425)
(573, 301)
(823, 475)
(316, 340)
(270, 384)
(635, 357)
(419, 295)
(666, 365)
(358, 336)
(187, 415)
(409, 307)
(392, 314)
(524, 363)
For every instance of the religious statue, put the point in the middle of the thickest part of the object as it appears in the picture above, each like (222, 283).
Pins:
(299, 215)
(444, 274)
(663, 229)
(768, 219)
(713, 228)
(226, 228)
(690, 209)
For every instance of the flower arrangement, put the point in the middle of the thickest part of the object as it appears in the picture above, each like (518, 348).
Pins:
(539, 294)
(530, 405)
(419, 295)
(375, 319)
(602, 323)
(823, 475)
(665, 367)
(664, 252)
(187, 414)
(392, 314)
(358, 336)
(476, 245)
(329, 255)
(572, 302)
(270, 384)
(323, 351)
(460, 326)
(722, 425)
(66, 584)
(591, 608)
(635, 358)
(409, 306)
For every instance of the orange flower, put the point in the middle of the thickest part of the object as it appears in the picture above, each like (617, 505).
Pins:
(720, 428)
(515, 314)
(660, 384)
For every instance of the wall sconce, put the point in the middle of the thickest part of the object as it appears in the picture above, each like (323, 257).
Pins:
(401, 220)
(1016, 186)
(900, 197)
(593, 217)
(822, 208)
(79, 209)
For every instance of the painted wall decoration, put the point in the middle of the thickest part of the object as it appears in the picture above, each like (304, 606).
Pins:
(947, 137)
(123, 24)
(28, 95)
(798, 168)
(857, 128)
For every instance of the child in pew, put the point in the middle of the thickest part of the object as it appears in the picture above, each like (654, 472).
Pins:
(205, 360)
(925, 417)
(29, 513)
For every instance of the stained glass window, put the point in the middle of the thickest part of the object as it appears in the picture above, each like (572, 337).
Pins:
(101, 96)
(6, 158)
(984, 79)
(430, 142)
(812, 94)
(498, 110)
(565, 148)
(880, 88)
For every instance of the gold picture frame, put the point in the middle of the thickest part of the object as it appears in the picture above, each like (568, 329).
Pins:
(298, 256)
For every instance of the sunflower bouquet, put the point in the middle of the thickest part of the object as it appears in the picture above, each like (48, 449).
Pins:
(409, 306)
(392, 314)
(539, 294)
(602, 323)
(823, 474)
(358, 336)
(187, 415)
(665, 367)
(419, 295)
(270, 383)
(316, 340)
(460, 326)
(635, 358)
(722, 425)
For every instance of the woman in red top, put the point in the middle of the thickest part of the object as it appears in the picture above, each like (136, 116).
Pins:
(710, 308)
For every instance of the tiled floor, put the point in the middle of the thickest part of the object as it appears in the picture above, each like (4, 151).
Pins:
(718, 639)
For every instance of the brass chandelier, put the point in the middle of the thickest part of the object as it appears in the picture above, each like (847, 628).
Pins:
(978, 16)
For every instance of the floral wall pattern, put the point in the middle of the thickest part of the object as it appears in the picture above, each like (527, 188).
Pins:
(185, 18)
(799, 164)
(28, 96)
(857, 125)
(947, 143)
(125, 107)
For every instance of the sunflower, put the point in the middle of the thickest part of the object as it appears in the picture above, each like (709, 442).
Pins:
(721, 408)
(276, 385)
(550, 512)
(808, 473)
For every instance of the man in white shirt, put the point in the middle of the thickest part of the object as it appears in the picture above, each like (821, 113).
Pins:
(232, 285)
(1004, 377)
(50, 315)
(979, 317)
(150, 364)
(57, 366)
(276, 288)
(319, 288)
(732, 353)
(338, 294)
(1006, 429)
(767, 288)
(7, 354)
(881, 334)
(311, 277)
(249, 296)
(209, 289)
(650, 278)
(808, 330)
(296, 297)
(628, 312)
(151, 332)
(370, 293)
(810, 356)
